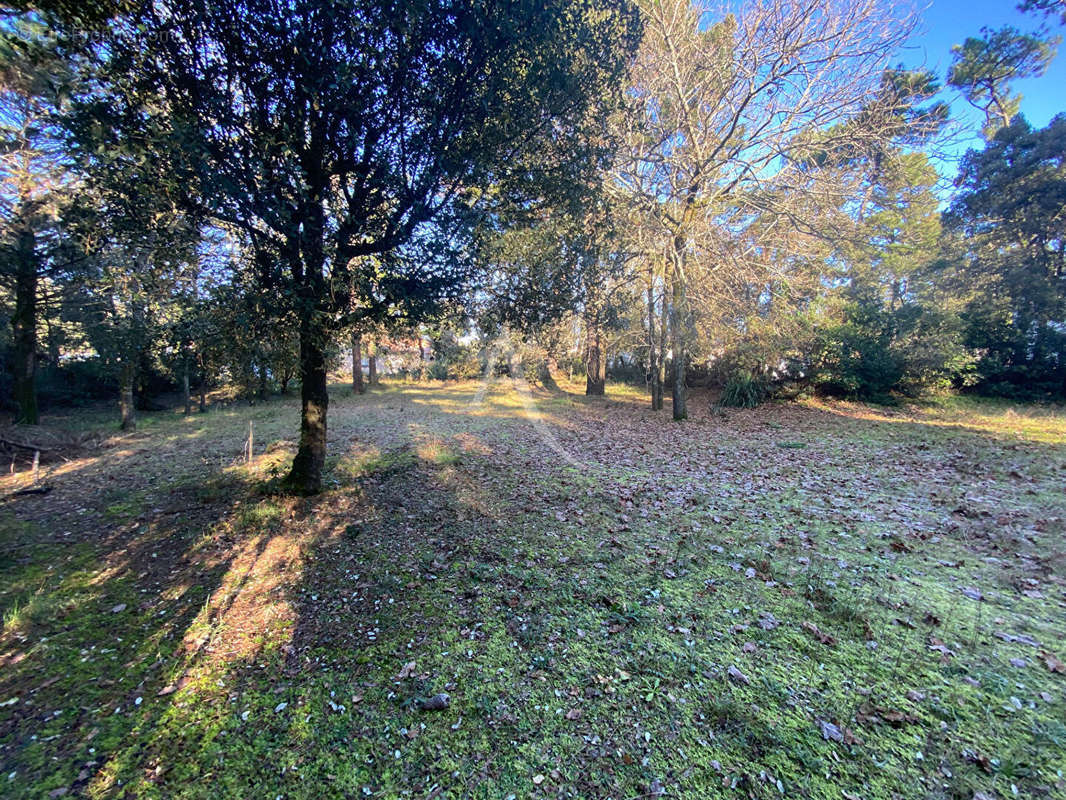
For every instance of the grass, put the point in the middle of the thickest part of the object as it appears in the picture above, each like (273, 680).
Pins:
(819, 600)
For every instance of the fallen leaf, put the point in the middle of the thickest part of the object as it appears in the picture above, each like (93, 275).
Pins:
(437, 702)
(940, 647)
(1052, 662)
(768, 621)
(817, 633)
(1021, 638)
(898, 718)
(738, 676)
(830, 732)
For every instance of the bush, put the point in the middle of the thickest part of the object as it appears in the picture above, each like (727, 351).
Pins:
(743, 389)
(877, 352)
(455, 362)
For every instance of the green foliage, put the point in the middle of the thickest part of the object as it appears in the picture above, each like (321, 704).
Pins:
(744, 389)
(912, 350)
(454, 359)
(1011, 273)
(983, 70)
(856, 361)
(1048, 8)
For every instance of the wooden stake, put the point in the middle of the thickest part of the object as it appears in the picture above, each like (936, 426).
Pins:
(36, 465)
(251, 441)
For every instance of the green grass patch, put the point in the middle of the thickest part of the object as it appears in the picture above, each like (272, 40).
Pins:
(627, 609)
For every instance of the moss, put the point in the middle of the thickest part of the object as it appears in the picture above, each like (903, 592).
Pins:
(583, 620)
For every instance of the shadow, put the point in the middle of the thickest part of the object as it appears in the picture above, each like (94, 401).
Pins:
(109, 583)
(94, 632)
(582, 613)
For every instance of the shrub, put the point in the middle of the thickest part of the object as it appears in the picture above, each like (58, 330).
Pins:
(743, 389)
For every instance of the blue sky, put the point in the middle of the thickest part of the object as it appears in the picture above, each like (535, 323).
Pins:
(948, 22)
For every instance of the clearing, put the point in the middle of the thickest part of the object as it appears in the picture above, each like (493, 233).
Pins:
(803, 600)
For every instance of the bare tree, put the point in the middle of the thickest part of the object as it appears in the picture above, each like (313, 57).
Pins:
(744, 125)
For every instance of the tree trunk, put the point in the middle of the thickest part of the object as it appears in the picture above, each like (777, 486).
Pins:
(185, 396)
(664, 339)
(594, 357)
(372, 362)
(127, 410)
(357, 364)
(24, 323)
(653, 351)
(263, 382)
(203, 384)
(306, 474)
(678, 338)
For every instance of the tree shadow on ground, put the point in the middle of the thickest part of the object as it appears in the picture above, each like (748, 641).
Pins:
(461, 555)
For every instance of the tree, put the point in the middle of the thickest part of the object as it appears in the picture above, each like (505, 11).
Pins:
(725, 112)
(35, 178)
(1009, 215)
(358, 387)
(1048, 8)
(542, 267)
(331, 131)
(140, 245)
(984, 68)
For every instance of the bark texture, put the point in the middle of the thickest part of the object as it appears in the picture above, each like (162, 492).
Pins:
(357, 364)
(306, 474)
(679, 395)
(595, 358)
(127, 409)
(24, 323)
(654, 369)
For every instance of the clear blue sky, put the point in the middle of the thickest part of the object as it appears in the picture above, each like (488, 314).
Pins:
(948, 22)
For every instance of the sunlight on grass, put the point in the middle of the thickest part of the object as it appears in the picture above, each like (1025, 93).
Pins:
(698, 620)
(1037, 424)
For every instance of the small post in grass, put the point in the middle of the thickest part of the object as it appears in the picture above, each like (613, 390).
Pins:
(251, 442)
(36, 466)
